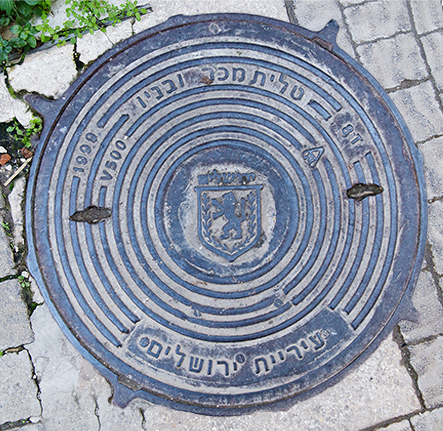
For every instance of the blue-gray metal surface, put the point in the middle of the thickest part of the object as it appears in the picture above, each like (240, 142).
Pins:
(225, 213)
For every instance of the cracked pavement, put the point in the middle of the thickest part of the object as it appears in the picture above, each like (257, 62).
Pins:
(46, 385)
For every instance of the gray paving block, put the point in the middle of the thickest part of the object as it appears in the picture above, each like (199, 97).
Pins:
(315, 15)
(398, 426)
(427, 361)
(18, 391)
(378, 390)
(91, 46)
(164, 9)
(6, 259)
(405, 61)
(14, 322)
(67, 401)
(119, 32)
(72, 390)
(10, 107)
(428, 15)
(361, 400)
(433, 45)
(351, 2)
(435, 233)
(48, 72)
(432, 152)
(428, 421)
(427, 304)
(420, 110)
(378, 19)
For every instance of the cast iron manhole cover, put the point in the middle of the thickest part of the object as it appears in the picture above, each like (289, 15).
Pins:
(225, 212)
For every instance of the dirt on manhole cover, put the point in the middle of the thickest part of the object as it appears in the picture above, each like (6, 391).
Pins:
(224, 213)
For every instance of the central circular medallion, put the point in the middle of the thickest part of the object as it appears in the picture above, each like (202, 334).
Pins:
(216, 215)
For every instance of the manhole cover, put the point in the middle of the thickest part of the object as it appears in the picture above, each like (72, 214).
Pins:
(225, 212)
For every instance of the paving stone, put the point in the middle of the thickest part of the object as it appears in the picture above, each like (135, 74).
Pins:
(112, 417)
(91, 46)
(405, 61)
(74, 395)
(432, 152)
(351, 2)
(18, 391)
(48, 72)
(435, 233)
(427, 361)
(420, 110)
(433, 45)
(426, 302)
(428, 15)
(11, 108)
(14, 323)
(65, 402)
(71, 390)
(33, 427)
(15, 199)
(163, 9)
(378, 390)
(428, 421)
(119, 32)
(398, 426)
(37, 297)
(377, 19)
(315, 15)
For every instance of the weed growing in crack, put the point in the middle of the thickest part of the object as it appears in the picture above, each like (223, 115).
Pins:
(82, 17)
(27, 294)
(23, 135)
(7, 228)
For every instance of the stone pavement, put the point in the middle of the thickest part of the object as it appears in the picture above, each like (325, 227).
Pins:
(46, 385)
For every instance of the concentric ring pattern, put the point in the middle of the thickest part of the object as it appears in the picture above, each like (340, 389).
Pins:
(234, 269)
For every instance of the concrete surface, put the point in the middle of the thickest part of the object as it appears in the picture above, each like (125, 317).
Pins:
(399, 388)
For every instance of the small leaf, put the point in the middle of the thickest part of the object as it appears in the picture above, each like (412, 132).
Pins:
(15, 29)
(7, 5)
(17, 42)
(32, 41)
(24, 9)
(10, 129)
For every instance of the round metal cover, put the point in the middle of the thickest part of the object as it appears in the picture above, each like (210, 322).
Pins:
(225, 212)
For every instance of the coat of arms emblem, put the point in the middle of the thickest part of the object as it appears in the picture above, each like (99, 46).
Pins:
(229, 215)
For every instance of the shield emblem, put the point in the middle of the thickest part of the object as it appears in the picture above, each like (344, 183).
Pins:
(229, 218)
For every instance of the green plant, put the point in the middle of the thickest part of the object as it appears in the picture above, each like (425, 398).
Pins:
(24, 135)
(83, 16)
(20, 14)
(24, 282)
(7, 228)
(88, 16)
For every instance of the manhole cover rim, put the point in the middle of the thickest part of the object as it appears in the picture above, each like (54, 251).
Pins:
(58, 106)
